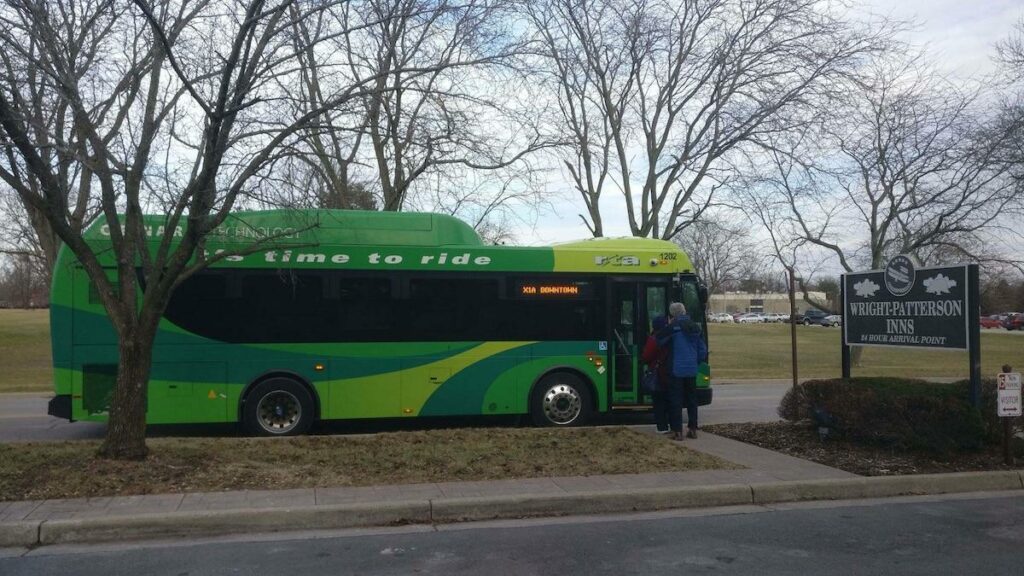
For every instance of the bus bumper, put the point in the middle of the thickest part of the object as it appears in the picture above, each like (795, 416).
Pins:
(60, 406)
(704, 396)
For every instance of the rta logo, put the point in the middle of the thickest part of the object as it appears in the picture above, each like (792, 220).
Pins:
(617, 260)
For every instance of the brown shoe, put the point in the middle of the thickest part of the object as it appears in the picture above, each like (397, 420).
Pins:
(678, 436)
(691, 433)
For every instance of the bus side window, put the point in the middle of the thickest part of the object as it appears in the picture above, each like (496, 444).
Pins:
(692, 301)
(365, 308)
(454, 309)
(656, 305)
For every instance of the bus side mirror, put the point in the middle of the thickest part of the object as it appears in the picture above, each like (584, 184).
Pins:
(702, 293)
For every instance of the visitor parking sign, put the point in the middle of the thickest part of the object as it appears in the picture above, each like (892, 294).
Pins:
(1008, 394)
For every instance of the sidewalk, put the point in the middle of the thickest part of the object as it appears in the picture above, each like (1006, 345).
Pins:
(766, 477)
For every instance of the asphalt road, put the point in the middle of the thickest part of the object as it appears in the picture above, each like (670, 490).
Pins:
(23, 416)
(960, 535)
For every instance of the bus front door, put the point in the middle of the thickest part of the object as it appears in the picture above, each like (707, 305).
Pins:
(624, 341)
(634, 307)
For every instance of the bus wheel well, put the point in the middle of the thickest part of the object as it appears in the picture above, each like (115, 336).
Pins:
(575, 372)
(280, 374)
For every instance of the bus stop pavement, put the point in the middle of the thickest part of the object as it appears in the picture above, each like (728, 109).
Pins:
(765, 478)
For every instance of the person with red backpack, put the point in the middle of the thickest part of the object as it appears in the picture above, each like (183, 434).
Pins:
(657, 359)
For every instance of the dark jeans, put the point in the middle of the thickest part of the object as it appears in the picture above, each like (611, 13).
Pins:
(682, 392)
(660, 400)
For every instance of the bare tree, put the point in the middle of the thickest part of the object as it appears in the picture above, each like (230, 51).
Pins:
(1010, 52)
(491, 201)
(23, 282)
(722, 252)
(655, 95)
(454, 141)
(49, 118)
(1009, 126)
(20, 239)
(324, 160)
(903, 167)
(418, 129)
(182, 108)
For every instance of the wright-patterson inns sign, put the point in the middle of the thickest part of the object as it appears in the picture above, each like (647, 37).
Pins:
(904, 305)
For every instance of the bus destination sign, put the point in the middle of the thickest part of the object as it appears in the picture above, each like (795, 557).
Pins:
(527, 289)
(905, 305)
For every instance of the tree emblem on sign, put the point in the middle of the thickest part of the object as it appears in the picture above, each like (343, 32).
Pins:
(866, 288)
(939, 285)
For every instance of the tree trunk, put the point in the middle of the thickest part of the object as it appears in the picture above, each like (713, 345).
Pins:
(126, 429)
(856, 355)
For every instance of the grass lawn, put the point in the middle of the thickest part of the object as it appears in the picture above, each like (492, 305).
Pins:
(25, 361)
(70, 469)
(763, 351)
(737, 352)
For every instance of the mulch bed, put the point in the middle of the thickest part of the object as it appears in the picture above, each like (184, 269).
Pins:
(804, 442)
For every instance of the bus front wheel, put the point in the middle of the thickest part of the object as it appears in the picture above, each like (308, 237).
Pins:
(561, 399)
(278, 407)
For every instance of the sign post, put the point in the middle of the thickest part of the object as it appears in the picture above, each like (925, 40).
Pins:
(974, 334)
(1008, 406)
(845, 348)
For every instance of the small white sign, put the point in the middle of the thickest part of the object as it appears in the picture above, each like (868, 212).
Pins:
(1008, 390)
(602, 345)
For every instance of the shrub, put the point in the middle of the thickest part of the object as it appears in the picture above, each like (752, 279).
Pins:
(893, 412)
(992, 424)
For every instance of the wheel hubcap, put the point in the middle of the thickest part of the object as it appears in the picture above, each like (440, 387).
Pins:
(279, 412)
(562, 404)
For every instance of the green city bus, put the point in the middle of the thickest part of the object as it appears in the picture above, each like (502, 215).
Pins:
(356, 315)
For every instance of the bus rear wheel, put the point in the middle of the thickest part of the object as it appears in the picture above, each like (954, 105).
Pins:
(561, 399)
(278, 407)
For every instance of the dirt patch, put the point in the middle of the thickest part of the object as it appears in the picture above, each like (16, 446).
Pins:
(71, 469)
(804, 442)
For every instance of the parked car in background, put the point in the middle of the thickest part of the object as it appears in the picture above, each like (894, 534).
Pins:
(751, 318)
(776, 318)
(993, 321)
(1014, 321)
(812, 316)
(832, 320)
(721, 318)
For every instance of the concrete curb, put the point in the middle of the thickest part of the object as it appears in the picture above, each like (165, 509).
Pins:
(448, 510)
(885, 486)
(207, 523)
(24, 533)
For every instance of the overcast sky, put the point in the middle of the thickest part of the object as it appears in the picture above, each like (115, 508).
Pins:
(958, 35)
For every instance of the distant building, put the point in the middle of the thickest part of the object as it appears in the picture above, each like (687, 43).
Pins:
(766, 302)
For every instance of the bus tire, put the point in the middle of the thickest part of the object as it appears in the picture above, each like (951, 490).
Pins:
(278, 406)
(561, 399)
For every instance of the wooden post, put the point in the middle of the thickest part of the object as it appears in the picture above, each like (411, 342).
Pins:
(1007, 430)
(844, 349)
(792, 323)
(974, 335)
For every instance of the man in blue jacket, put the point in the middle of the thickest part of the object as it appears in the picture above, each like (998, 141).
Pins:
(688, 351)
